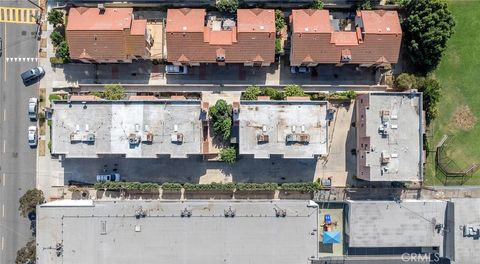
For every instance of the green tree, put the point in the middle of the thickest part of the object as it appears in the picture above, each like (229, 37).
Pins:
(113, 92)
(431, 95)
(27, 254)
(29, 201)
(57, 38)
(317, 4)
(366, 5)
(293, 90)
(274, 94)
(406, 81)
(55, 17)
(427, 27)
(63, 51)
(227, 5)
(251, 93)
(279, 20)
(221, 114)
(228, 155)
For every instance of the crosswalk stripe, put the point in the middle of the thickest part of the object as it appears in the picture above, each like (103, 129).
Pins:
(18, 15)
(17, 59)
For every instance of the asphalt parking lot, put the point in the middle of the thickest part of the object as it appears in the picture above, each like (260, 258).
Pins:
(193, 169)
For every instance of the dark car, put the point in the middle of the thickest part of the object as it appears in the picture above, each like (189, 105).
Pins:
(32, 74)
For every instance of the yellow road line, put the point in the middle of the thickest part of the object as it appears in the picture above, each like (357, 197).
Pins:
(17, 15)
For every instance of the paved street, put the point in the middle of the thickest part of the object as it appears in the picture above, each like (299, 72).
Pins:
(17, 160)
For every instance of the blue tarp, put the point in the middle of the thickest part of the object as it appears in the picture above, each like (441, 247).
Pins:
(331, 237)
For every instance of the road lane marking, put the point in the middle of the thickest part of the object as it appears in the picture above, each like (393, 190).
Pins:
(18, 15)
(4, 146)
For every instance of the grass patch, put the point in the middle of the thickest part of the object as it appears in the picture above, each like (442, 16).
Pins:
(459, 74)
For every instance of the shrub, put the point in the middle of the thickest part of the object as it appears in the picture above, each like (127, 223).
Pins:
(221, 114)
(228, 155)
(63, 51)
(171, 186)
(29, 201)
(300, 186)
(53, 97)
(50, 146)
(56, 38)
(317, 4)
(279, 20)
(348, 95)
(55, 17)
(274, 94)
(278, 46)
(406, 81)
(427, 28)
(209, 187)
(366, 5)
(113, 92)
(431, 95)
(227, 5)
(251, 93)
(293, 90)
(256, 186)
(115, 186)
(97, 94)
(57, 60)
(318, 96)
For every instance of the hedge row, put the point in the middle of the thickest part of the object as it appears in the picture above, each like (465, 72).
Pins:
(303, 187)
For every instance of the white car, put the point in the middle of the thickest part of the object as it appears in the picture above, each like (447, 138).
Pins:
(114, 177)
(32, 108)
(32, 136)
(174, 69)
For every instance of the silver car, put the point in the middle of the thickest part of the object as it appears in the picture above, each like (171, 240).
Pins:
(174, 69)
(32, 136)
(32, 108)
(114, 177)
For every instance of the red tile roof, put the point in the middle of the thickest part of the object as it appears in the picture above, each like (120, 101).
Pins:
(109, 36)
(314, 40)
(185, 20)
(83, 18)
(191, 40)
(256, 20)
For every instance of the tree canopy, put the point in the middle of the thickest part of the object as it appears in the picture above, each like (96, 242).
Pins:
(29, 201)
(293, 90)
(228, 155)
(227, 5)
(113, 92)
(27, 254)
(279, 20)
(55, 17)
(427, 27)
(221, 114)
(251, 93)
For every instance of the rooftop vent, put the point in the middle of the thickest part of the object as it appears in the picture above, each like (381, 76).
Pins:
(262, 138)
(101, 9)
(298, 138)
(177, 138)
(186, 213)
(133, 139)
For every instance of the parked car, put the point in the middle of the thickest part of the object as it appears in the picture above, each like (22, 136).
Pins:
(32, 108)
(32, 136)
(299, 69)
(32, 74)
(114, 177)
(174, 69)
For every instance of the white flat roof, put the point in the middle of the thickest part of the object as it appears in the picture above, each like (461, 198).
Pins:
(109, 232)
(112, 123)
(278, 119)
